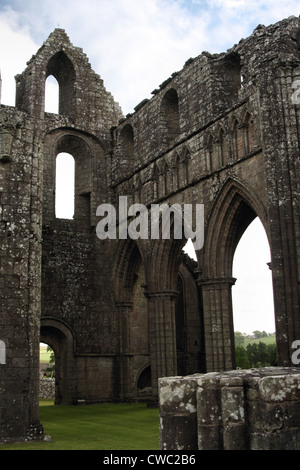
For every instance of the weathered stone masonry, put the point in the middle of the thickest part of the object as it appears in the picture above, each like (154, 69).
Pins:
(119, 314)
(255, 409)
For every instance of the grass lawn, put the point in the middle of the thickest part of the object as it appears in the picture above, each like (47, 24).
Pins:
(267, 339)
(44, 355)
(96, 427)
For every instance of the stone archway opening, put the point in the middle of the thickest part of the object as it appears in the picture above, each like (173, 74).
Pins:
(234, 211)
(144, 385)
(252, 294)
(47, 361)
(49, 337)
(252, 299)
(47, 373)
(59, 338)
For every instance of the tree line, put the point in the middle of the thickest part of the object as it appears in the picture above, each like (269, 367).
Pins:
(255, 354)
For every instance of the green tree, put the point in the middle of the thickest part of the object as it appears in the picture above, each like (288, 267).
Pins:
(272, 354)
(52, 356)
(260, 334)
(252, 354)
(239, 338)
(241, 358)
(262, 355)
(50, 370)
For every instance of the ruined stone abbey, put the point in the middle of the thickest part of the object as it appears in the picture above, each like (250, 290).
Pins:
(119, 314)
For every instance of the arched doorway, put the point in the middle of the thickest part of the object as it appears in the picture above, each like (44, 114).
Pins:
(58, 336)
(47, 361)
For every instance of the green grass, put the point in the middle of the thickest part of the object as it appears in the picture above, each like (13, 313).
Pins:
(96, 427)
(267, 339)
(44, 355)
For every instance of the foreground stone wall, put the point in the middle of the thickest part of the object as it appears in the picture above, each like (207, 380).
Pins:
(255, 409)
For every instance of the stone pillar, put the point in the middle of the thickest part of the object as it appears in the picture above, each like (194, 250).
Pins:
(209, 412)
(178, 413)
(162, 336)
(218, 323)
(280, 136)
(221, 412)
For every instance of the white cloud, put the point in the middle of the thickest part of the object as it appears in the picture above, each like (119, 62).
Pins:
(134, 45)
(17, 48)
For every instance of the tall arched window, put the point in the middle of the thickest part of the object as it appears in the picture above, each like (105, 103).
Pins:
(252, 295)
(65, 186)
(51, 95)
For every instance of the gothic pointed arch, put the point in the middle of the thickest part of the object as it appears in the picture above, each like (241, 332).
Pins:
(61, 338)
(234, 209)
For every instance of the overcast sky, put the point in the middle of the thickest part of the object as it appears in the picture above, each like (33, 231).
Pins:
(134, 45)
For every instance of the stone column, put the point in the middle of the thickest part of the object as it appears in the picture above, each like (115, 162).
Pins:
(218, 323)
(280, 135)
(162, 335)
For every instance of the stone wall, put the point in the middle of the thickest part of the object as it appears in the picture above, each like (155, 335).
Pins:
(255, 409)
(47, 389)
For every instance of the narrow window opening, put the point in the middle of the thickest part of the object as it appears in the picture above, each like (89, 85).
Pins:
(170, 116)
(65, 186)
(52, 95)
(127, 142)
(2, 352)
